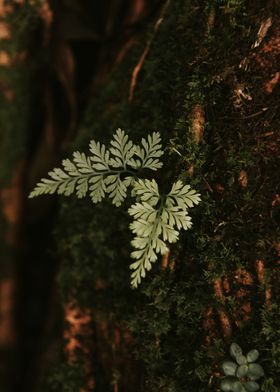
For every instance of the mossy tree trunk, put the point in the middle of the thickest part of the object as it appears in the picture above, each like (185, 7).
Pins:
(204, 74)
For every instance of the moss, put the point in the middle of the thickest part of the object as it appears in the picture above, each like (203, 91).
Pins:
(234, 225)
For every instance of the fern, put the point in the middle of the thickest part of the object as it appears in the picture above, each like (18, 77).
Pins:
(157, 219)
(105, 172)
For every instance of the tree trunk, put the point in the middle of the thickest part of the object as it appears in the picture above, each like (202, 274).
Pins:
(205, 75)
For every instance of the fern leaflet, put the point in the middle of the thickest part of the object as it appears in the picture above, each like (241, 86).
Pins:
(156, 219)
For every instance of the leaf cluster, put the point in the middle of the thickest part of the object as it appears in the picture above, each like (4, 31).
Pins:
(157, 219)
(241, 375)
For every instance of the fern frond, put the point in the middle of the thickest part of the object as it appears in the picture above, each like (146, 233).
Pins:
(182, 195)
(176, 217)
(150, 151)
(117, 190)
(156, 224)
(157, 219)
(58, 182)
(143, 211)
(97, 188)
(100, 157)
(122, 149)
(104, 172)
(147, 190)
(82, 162)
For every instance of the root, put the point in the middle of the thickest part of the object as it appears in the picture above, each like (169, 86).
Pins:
(141, 61)
(222, 313)
(260, 268)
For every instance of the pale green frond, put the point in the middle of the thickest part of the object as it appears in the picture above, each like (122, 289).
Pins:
(182, 196)
(82, 162)
(160, 246)
(45, 186)
(140, 242)
(150, 151)
(176, 217)
(117, 190)
(142, 265)
(151, 256)
(97, 188)
(116, 163)
(69, 187)
(169, 233)
(140, 152)
(148, 265)
(122, 149)
(58, 181)
(147, 190)
(153, 164)
(156, 224)
(110, 179)
(136, 276)
(100, 156)
(82, 187)
(141, 227)
(105, 171)
(58, 174)
(165, 215)
(156, 219)
(70, 168)
(143, 210)
(137, 254)
(129, 181)
(176, 187)
(134, 163)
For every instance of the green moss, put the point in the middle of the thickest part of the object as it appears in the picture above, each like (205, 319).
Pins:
(233, 226)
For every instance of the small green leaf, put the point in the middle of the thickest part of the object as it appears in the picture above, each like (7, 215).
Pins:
(255, 371)
(241, 360)
(252, 356)
(251, 386)
(237, 387)
(235, 350)
(229, 368)
(242, 371)
(227, 383)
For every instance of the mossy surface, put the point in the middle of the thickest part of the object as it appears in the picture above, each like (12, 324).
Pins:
(193, 60)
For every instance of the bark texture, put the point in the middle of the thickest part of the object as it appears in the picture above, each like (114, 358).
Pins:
(205, 74)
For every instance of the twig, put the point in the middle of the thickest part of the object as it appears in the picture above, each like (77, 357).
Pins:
(260, 268)
(209, 325)
(140, 63)
(265, 25)
(165, 259)
(245, 117)
(223, 315)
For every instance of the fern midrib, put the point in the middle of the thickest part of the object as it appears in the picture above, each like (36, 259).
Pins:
(94, 174)
(153, 232)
